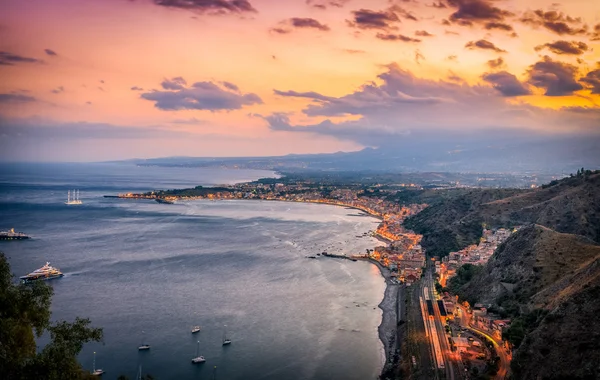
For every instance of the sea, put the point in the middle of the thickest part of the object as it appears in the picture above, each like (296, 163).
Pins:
(147, 272)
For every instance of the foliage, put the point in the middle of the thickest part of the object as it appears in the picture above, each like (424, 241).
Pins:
(25, 309)
(464, 274)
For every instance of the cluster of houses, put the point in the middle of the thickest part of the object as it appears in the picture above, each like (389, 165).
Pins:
(476, 254)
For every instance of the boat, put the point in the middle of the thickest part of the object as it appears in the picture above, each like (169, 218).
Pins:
(195, 329)
(143, 346)
(199, 358)
(12, 235)
(46, 272)
(226, 340)
(165, 201)
(73, 200)
(98, 371)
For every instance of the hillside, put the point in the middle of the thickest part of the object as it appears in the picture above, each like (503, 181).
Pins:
(454, 222)
(571, 205)
(548, 283)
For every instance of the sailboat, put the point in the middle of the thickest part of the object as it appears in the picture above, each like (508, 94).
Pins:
(195, 329)
(198, 358)
(226, 340)
(74, 198)
(143, 346)
(96, 372)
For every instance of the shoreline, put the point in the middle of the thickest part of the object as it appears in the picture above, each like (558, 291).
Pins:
(388, 328)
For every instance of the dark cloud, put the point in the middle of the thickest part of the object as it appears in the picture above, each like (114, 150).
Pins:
(452, 58)
(16, 98)
(404, 105)
(177, 83)
(198, 96)
(309, 95)
(423, 33)
(438, 4)
(280, 30)
(307, 23)
(136, 88)
(231, 86)
(557, 78)
(483, 44)
(214, 7)
(592, 79)
(368, 19)
(58, 90)
(506, 83)
(476, 11)
(554, 21)
(88, 103)
(496, 63)
(321, 4)
(9, 59)
(596, 33)
(286, 26)
(564, 47)
(498, 25)
(396, 37)
(403, 12)
(50, 52)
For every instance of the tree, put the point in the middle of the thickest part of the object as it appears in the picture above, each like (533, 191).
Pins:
(25, 315)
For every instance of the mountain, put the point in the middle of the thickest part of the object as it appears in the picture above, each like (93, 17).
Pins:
(570, 205)
(489, 152)
(549, 283)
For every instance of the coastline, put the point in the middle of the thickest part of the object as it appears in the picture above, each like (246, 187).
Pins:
(388, 328)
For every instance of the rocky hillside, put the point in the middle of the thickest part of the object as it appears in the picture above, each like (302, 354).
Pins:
(549, 284)
(571, 205)
(454, 222)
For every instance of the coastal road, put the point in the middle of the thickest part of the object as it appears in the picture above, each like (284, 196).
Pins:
(504, 368)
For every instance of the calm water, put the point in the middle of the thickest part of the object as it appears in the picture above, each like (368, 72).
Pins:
(133, 266)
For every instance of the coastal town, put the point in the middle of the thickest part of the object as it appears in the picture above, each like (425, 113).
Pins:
(463, 339)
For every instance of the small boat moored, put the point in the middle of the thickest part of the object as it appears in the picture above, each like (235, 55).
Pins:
(199, 358)
(96, 371)
(195, 329)
(143, 346)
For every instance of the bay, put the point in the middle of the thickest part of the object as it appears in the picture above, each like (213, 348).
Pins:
(143, 270)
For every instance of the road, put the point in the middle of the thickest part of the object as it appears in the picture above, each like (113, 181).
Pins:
(504, 368)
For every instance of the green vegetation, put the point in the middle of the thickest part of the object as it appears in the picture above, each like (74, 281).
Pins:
(522, 325)
(453, 221)
(464, 274)
(25, 315)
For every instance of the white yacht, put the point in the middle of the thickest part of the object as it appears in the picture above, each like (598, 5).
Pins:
(74, 198)
(199, 358)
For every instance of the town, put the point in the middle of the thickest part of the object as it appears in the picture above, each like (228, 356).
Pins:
(463, 339)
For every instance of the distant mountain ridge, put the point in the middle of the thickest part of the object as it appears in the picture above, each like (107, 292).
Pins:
(483, 153)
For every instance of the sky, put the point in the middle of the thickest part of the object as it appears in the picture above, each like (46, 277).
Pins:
(91, 80)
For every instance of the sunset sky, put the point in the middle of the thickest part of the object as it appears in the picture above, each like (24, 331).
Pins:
(87, 80)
